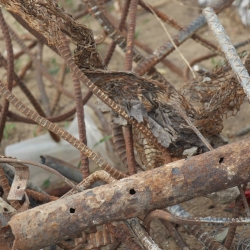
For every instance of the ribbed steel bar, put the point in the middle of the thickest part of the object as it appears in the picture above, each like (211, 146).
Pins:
(177, 26)
(120, 27)
(232, 228)
(142, 235)
(118, 37)
(196, 230)
(59, 118)
(175, 235)
(37, 64)
(10, 71)
(59, 131)
(40, 83)
(168, 63)
(178, 39)
(228, 49)
(121, 235)
(128, 67)
(81, 125)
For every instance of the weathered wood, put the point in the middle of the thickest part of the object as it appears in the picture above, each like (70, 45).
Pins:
(171, 184)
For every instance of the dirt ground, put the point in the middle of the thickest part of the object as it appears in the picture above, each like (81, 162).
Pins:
(150, 32)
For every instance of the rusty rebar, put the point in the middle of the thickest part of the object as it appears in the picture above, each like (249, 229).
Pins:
(130, 35)
(40, 197)
(175, 235)
(95, 240)
(81, 125)
(81, 13)
(24, 70)
(196, 230)
(232, 228)
(10, 69)
(178, 39)
(14, 117)
(130, 149)
(23, 87)
(205, 238)
(160, 214)
(118, 38)
(30, 46)
(177, 26)
(90, 180)
(58, 118)
(29, 96)
(60, 132)
(146, 241)
(128, 67)
(173, 67)
(39, 65)
(122, 236)
(119, 142)
(117, 132)
(121, 24)
(61, 78)
(105, 98)
(40, 82)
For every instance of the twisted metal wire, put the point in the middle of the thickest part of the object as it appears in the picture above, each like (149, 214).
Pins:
(228, 49)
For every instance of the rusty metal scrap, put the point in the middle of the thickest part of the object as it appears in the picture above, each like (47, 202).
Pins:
(183, 180)
(196, 230)
(100, 238)
(20, 182)
(24, 177)
(161, 123)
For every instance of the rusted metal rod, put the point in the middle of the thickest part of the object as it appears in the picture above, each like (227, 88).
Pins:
(171, 184)
(232, 228)
(196, 230)
(178, 39)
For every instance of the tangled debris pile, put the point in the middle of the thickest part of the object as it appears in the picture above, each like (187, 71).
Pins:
(163, 125)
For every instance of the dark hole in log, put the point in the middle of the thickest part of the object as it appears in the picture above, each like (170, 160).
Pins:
(72, 210)
(132, 191)
(221, 160)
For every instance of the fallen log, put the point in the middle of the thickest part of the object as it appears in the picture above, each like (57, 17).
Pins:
(139, 194)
